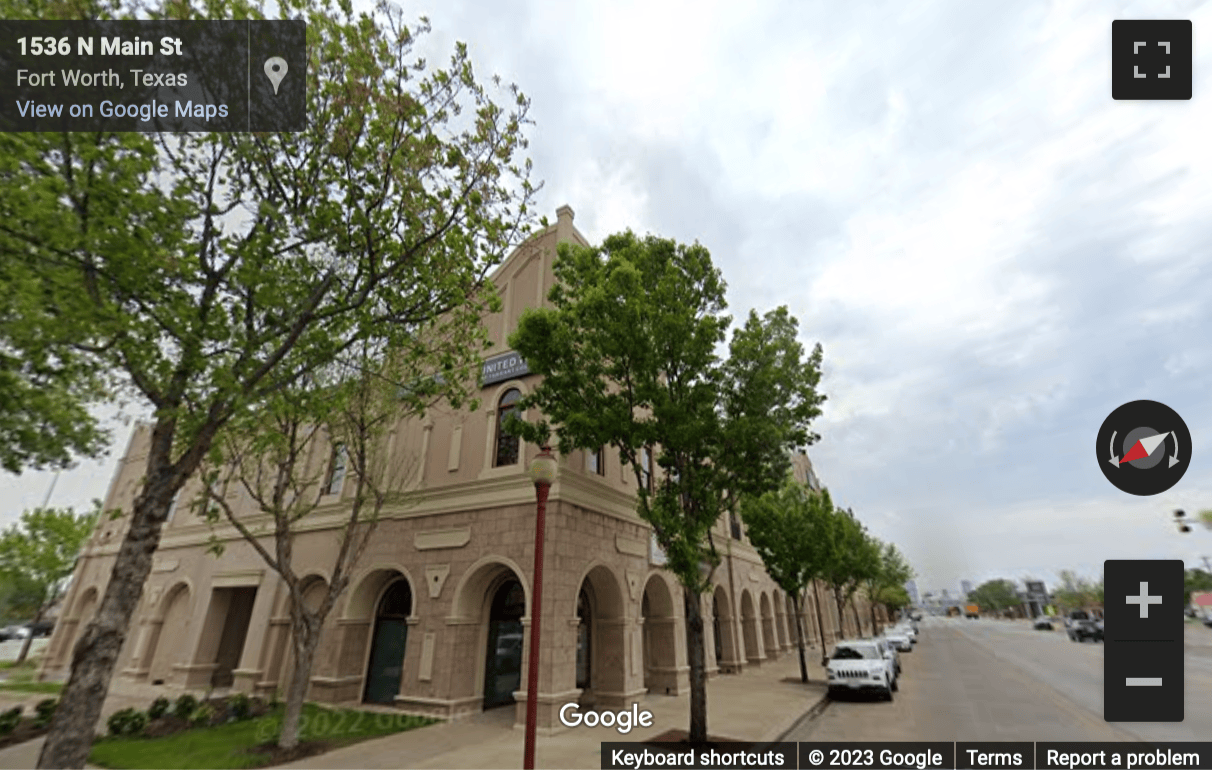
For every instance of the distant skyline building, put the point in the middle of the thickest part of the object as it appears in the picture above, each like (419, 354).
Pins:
(911, 589)
(966, 587)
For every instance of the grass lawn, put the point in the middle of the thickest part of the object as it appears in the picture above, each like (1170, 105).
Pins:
(228, 745)
(50, 688)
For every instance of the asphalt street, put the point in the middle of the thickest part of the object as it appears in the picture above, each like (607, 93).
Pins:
(991, 680)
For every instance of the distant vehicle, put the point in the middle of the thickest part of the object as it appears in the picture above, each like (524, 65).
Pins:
(1043, 624)
(861, 665)
(898, 639)
(972, 611)
(1080, 627)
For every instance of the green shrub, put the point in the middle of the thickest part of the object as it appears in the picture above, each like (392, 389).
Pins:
(202, 715)
(45, 711)
(9, 720)
(128, 721)
(239, 706)
(185, 706)
(158, 708)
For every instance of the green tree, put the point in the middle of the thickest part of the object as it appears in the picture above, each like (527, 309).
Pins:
(209, 272)
(995, 595)
(1195, 580)
(891, 572)
(344, 415)
(852, 557)
(38, 554)
(630, 355)
(787, 527)
(894, 598)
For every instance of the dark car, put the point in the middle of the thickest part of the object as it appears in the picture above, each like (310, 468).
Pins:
(1043, 624)
(1081, 626)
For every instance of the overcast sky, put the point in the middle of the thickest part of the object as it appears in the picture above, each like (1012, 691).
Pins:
(993, 253)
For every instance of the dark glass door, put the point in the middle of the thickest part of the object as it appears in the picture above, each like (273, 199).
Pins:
(503, 667)
(386, 667)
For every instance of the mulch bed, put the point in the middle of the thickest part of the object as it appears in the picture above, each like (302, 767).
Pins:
(24, 731)
(681, 736)
(273, 755)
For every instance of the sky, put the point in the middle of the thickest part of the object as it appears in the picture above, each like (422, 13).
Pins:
(993, 253)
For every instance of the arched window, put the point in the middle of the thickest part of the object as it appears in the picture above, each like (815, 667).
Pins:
(507, 446)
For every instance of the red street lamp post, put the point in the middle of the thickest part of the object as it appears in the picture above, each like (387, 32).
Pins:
(543, 472)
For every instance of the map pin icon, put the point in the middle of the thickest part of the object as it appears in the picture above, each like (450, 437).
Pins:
(275, 70)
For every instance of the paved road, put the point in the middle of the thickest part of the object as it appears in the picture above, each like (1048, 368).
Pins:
(988, 680)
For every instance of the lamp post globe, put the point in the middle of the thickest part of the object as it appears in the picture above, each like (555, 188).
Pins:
(543, 469)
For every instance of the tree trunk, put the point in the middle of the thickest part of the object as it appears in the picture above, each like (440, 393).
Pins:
(96, 652)
(874, 632)
(25, 643)
(698, 668)
(799, 633)
(820, 624)
(840, 601)
(305, 642)
(858, 621)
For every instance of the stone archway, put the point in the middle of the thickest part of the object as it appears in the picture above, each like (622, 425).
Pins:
(168, 635)
(727, 656)
(601, 641)
(750, 631)
(86, 608)
(780, 620)
(356, 631)
(389, 639)
(661, 671)
(769, 639)
(313, 588)
(484, 644)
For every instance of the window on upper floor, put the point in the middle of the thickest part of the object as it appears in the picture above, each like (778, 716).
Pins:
(507, 447)
(735, 524)
(336, 470)
(595, 461)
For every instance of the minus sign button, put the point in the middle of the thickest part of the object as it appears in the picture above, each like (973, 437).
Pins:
(1144, 681)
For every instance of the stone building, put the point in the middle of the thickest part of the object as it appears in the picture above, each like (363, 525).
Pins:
(435, 618)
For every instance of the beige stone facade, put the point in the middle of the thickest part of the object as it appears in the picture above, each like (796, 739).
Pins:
(434, 620)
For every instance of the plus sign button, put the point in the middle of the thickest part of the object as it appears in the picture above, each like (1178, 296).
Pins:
(1143, 600)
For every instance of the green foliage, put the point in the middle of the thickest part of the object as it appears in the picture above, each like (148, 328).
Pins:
(128, 721)
(202, 715)
(45, 711)
(885, 585)
(629, 358)
(1076, 592)
(1195, 580)
(995, 595)
(239, 706)
(9, 720)
(184, 706)
(38, 554)
(852, 556)
(894, 597)
(788, 528)
(158, 708)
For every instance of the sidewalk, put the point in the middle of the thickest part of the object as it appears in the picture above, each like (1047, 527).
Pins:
(758, 705)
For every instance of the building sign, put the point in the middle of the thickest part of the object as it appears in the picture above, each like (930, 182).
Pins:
(503, 367)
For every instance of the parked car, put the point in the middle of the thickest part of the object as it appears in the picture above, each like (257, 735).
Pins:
(898, 640)
(861, 665)
(1080, 626)
(1043, 624)
(42, 628)
(907, 630)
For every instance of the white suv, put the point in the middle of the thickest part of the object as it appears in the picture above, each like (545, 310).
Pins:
(861, 665)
